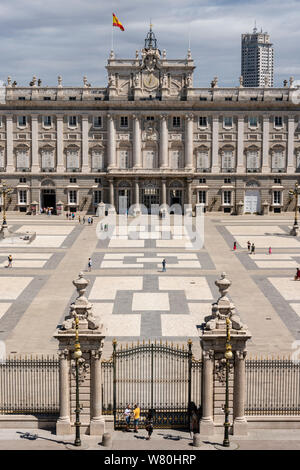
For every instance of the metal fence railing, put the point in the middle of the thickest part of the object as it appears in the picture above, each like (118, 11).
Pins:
(29, 386)
(272, 387)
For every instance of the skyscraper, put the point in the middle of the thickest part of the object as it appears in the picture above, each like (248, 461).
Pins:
(257, 59)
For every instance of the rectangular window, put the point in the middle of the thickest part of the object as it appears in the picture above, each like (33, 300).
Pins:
(98, 180)
(149, 159)
(22, 159)
(72, 98)
(278, 121)
(175, 159)
(47, 121)
(97, 160)
(22, 121)
(124, 159)
(1, 158)
(227, 121)
(202, 197)
(47, 98)
(72, 159)
(97, 121)
(276, 198)
(202, 180)
(72, 197)
(176, 121)
(150, 118)
(253, 121)
(73, 121)
(227, 198)
(73, 180)
(22, 180)
(97, 197)
(22, 196)
(47, 159)
(252, 160)
(278, 162)
(124, 121)
(202, 121)
(227, 160)
(202, 160)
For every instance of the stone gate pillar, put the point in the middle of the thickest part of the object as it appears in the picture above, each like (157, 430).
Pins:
(213, 342)
(91, 337)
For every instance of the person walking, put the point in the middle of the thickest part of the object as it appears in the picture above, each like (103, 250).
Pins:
(89, 264)
(10, 260)
(92, 220)
(249, 246)
(270, 250)
(163, 265)
(234, 246)
(149, 425)
(297, 276)
(253, 249)
(83, 220)
(127, 414)
(136, 416)
(79, 219)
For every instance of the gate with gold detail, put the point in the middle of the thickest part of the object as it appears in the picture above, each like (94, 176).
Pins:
(156, 376)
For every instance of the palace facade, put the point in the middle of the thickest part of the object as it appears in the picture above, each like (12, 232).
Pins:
(150, 137)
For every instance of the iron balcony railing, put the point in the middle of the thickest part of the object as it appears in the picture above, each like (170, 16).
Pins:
(278, 170)
(203, 170)
(228, 170)
(253, 170)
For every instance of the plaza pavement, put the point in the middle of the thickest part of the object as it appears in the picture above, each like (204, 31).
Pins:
(165, 440)
(134, 298)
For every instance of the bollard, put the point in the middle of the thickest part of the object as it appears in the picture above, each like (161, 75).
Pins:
(106, 440)
(196, 440)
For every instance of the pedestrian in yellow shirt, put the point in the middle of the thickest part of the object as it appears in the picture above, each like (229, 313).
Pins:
(136, 415)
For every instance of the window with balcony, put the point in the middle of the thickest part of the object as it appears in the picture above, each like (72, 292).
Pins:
(202, 160)
(227, 161)
(97, 160)
(226, 198)
(72, 160)
(175, 159)
(22, 160)
(253, 164)
(47, 160)
(149, 163)
(278, 161)
(124, 159)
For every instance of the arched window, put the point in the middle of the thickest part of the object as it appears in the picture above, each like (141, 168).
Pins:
(22, 159)
(47, 158)
(227, 160)
(97, 159)
(175, 159)
(149, 162)
(252, 160)
(72, 159)
(202, 160)
(278, 160)
(124, 159)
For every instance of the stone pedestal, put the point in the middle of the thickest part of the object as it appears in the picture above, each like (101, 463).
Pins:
(213, 342)
(295, 230)
(100, 209)
(265, 206)
(91, 335)
(240, 208)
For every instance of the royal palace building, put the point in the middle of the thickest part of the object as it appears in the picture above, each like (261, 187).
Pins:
(149, 137)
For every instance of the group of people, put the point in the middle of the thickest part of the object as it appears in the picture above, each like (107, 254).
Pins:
(135, 413)
(70, 215)
(251, 248)
(46, 210)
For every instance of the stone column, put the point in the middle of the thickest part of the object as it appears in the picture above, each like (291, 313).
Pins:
(111, 192)
(164, 191)
(97, 424)
(137, 192)
(290, 145)
(35, 167)
(265, 145)
(239, 391)
(10, 166)
(240, 145)
(206, 423)
(189, 137)
(215, 145)
(60, 144)
(111, 142)
(163, 149)
(189, 191)
(63, 424)
(137, 153)
(85, 144)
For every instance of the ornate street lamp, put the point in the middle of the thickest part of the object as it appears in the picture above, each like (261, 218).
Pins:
(294, 193)
(77, 355)
(4, 192)
(228, 356)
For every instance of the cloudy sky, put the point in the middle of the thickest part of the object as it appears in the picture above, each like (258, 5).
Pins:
(73, 37)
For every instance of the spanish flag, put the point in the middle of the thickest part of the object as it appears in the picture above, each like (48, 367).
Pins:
(117, 23)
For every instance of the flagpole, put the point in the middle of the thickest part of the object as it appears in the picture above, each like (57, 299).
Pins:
(112, 37)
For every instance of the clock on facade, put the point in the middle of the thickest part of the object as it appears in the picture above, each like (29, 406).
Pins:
(150, 81)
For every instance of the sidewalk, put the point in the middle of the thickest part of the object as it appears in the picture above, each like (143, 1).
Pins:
(162, 439)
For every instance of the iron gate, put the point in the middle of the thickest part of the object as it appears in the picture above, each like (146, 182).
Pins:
(156, 376)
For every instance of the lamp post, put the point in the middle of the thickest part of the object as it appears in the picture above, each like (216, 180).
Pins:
(77, 355)
(293, 193)
(228, 356)
(4, 192)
